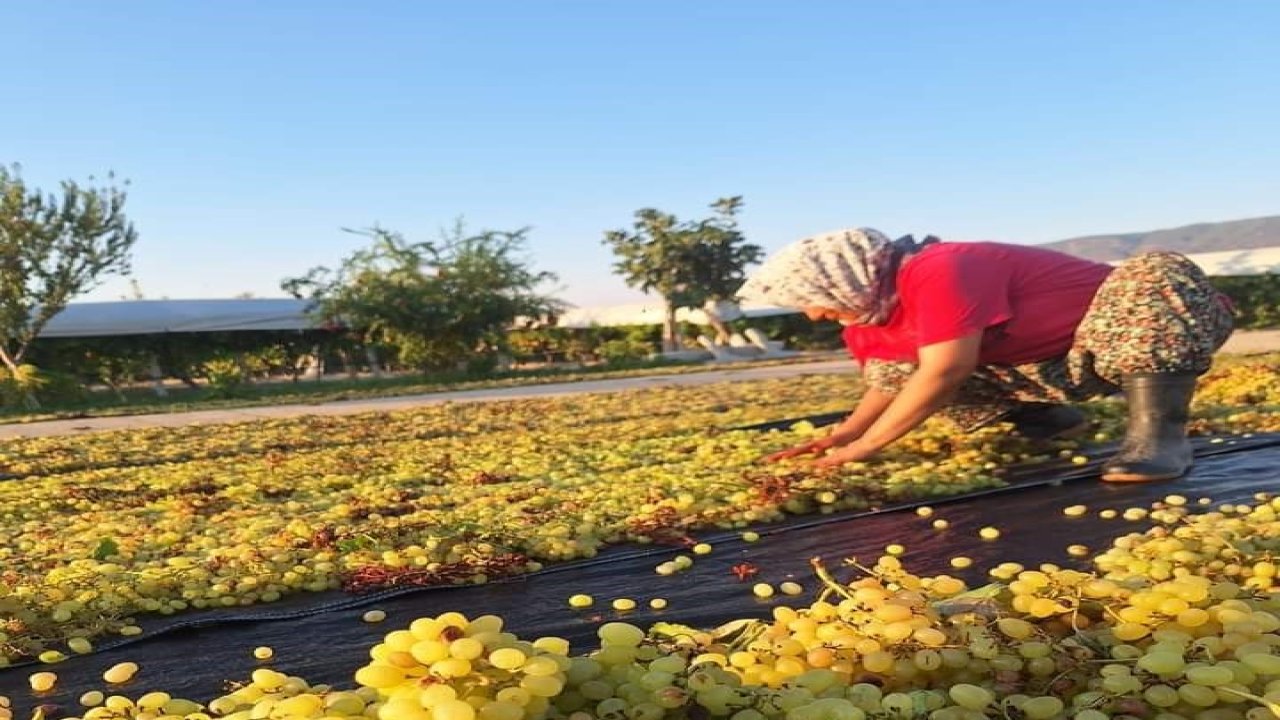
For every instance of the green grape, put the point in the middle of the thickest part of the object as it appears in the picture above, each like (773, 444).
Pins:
(453, 710)
(405, 709)
(436, 693)
(864, 696)
(655, 679)
(879, 661)
(466, 648)
(837, 709)
(1198, 695)
(507, 658)
(670, 697)
(541, 665)
(1015, 628)
(379, 676)
(701, 680)
(569, 701)
(499, 710)
(80, 645)
(970, 696)
(612, 709)
(1010, 663)
(669, 664)
(1262, 663)
(1121, 684)
(1041, 667)
(1041, 708)
(898, 704)
(622, 634)
(645, 711)
(1162, 663)
(596, 689)
(927, 660)
(542, 685)
(1209, 676)
(1161, 696)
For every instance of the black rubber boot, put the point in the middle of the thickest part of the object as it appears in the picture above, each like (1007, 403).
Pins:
(1046, 421)
(1155, 443)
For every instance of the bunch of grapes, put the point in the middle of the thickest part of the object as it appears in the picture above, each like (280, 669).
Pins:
(452, 668)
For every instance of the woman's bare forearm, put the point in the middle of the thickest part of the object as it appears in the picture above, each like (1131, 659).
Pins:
(922, 395)
(943, 368)
(872, 405)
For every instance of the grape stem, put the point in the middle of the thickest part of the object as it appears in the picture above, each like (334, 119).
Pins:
(1274, 707)
(830, 584)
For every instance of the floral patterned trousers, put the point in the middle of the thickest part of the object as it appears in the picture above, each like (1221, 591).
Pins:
(1155, 313)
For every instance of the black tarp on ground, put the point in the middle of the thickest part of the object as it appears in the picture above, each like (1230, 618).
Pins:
(327, 645)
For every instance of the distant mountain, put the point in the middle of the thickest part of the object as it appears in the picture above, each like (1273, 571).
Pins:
(1189, 239)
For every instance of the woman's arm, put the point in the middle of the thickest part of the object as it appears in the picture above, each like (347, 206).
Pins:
(943, 368)
(870, 407)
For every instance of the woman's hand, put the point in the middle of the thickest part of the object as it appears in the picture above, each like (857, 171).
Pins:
(853, 452)
(813, 447)
(872, 404)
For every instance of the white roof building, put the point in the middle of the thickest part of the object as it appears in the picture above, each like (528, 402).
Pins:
(146, 317)
(651, 313)
(1259, 261)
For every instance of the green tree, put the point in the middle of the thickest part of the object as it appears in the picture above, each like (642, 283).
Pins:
(694, 264)
(441, 304)
(53, 247)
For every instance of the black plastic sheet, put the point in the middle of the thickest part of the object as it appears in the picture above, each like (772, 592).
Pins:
(321, 637)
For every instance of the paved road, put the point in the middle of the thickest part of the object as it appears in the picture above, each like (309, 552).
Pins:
(1253, 341)
(210, 417)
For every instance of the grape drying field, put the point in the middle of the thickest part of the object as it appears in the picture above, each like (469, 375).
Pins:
(102, 535)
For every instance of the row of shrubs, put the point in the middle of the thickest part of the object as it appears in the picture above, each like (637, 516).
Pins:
(226, 364)
(1256, 297)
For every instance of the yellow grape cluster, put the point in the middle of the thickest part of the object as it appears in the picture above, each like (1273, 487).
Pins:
(452, 668)
(1238, 394)
(1046, 642)
(1228, 545)
(1036, 644)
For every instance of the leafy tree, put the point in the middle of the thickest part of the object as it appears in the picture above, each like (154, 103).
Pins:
(1256, 298)
(441, 304)
(694, 264)
(53, 247)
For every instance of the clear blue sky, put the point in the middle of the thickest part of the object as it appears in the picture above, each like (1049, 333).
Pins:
(253, 131)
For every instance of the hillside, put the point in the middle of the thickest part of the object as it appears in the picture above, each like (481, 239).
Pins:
(1189, 239)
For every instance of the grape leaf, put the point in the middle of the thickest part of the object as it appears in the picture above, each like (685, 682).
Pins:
(106, 548)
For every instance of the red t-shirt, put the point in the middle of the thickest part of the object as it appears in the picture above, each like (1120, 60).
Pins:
(1027, 302)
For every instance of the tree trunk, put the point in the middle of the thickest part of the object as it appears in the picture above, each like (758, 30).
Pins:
(371, 355)
(243, 366)
(722, 330)
(718, 312)
(157, 378)
(670, 341)
(11, 363)
(315, 370)
(348, 364)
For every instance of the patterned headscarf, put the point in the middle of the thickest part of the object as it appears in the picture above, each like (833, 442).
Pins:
(852, 271)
